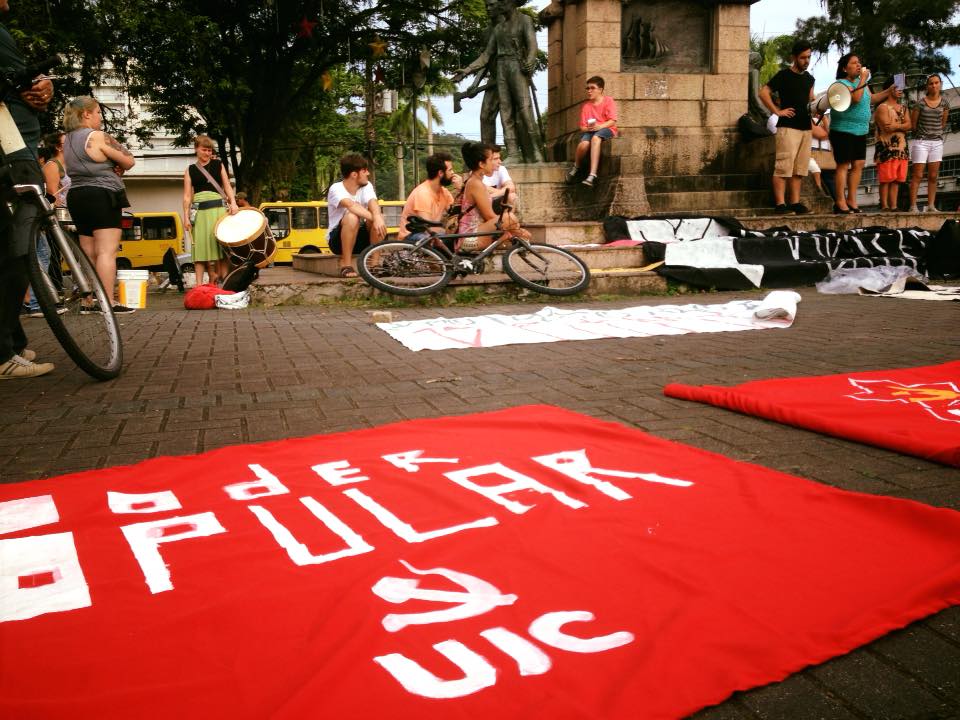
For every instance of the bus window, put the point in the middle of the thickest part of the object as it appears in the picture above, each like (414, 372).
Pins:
(159, 228)
(324, 219)
(131, 229)
(391, 214)
(279, 219)
(304, 218)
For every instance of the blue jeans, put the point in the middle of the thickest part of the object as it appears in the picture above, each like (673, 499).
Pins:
(43, 255)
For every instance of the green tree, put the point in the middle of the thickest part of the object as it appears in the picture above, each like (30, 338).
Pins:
(248, 72)
(775, 52)
(889, 35)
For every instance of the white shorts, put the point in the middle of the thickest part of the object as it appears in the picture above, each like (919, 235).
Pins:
(813, 167)
(926, 151)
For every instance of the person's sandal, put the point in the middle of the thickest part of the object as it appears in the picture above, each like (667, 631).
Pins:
(588, 181)
(348, 272)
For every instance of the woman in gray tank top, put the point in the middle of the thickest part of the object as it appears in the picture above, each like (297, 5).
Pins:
(95, 162)
(929, 120)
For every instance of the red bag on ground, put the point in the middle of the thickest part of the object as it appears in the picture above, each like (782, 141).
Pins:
(203, 297)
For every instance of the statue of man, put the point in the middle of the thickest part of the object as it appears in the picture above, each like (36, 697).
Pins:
(490, 107)
(755, 107)
(513, 47)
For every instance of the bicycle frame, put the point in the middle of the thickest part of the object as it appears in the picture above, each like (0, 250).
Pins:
(452, 256)
(48, 219)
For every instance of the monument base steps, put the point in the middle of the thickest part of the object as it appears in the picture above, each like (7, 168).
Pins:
(287, 286)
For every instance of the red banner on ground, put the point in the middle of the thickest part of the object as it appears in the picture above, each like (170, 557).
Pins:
(912, 410)
(527, 563)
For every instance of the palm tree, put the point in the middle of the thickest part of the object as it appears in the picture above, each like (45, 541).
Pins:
(404, 125)
(440, 86)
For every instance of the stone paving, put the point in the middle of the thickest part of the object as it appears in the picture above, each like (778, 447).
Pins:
(195, 381)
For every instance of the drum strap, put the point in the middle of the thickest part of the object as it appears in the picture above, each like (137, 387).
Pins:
(209, 177)
(207, 204)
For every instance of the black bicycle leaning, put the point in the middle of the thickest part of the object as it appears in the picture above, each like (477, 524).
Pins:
(74, 303)
(424, 262)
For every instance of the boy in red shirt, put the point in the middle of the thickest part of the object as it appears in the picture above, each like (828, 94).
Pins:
(598, 122)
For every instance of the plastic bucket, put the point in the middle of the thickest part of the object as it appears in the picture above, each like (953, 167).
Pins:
(133, 287)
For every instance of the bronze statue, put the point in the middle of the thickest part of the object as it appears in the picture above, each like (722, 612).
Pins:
(513, 48)
(757, 110)
(490, 107)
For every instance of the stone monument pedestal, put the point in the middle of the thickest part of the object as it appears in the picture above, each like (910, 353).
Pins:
(679, 72)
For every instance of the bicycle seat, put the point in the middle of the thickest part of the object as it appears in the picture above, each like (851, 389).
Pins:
(415, 223)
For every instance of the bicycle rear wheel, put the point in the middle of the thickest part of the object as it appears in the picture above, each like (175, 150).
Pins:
(546, 269)
(90, 337)
(404, 269)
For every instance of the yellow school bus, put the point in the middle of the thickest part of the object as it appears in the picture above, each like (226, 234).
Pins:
(301, 227)
(146, 236)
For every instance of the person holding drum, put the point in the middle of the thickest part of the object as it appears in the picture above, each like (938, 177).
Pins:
(354, 217)
(207, 187)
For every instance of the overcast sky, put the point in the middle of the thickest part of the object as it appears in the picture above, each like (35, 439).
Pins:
(767, 18)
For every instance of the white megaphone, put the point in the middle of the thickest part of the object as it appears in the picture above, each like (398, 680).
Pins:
(837, 97)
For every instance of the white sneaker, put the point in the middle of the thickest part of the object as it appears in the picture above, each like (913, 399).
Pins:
(17, 367)
(914, 209)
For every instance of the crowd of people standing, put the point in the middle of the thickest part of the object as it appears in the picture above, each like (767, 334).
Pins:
(788, 96)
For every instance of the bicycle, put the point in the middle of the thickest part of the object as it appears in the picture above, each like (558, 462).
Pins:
(425, 264)
(74, 303)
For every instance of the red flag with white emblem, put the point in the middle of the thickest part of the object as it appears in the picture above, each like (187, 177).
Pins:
(531, 562)
(911, 410)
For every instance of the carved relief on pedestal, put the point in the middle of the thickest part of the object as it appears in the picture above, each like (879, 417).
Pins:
(665, 36)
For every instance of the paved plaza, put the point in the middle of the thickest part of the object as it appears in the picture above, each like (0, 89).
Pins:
(195, 381)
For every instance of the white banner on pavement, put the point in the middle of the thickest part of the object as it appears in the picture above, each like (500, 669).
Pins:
(776, 310)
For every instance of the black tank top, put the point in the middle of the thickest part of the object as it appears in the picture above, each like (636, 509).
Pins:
(199, 182)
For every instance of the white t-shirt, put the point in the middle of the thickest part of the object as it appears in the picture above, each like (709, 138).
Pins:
(498, 179)
(338, 193)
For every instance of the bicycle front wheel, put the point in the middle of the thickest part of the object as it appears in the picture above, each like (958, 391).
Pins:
(83, 323)
(404, 269)
(547, 269)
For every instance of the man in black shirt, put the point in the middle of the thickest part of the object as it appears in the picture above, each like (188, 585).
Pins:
(16, 361)
(794, 86)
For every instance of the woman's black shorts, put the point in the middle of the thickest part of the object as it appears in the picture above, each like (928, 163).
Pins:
(848, 148)
(92, 209)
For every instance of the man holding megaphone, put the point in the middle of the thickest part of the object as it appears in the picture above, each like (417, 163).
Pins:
(794, 87)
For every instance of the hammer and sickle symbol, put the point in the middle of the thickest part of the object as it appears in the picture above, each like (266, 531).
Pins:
(479, 597)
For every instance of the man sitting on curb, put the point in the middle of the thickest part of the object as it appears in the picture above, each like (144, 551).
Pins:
(355, 220)
(794, 85)
(598, 122)
(430, 199)
(499, 182)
